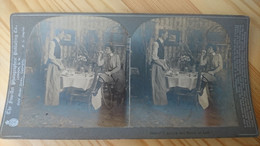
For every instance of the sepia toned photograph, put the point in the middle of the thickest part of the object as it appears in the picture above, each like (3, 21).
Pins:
(75, 74)
(183, 65)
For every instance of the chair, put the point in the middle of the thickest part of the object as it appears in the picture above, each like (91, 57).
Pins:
(110, 94)
(79, 95)
(185, 93)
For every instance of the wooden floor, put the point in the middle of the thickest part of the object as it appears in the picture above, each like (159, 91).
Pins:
(236, 7)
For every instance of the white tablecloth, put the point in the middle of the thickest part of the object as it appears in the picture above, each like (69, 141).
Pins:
(81, 81)
(183, 80)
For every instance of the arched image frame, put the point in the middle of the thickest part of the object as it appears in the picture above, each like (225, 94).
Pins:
(84, 38)
(187, 38)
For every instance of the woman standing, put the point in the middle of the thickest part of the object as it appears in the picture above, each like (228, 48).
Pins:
(55, 67)
(159, 68)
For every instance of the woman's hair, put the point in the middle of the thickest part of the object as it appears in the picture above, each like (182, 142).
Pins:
(59, 31)
(212, 46)
(111, 48)
(162, 32)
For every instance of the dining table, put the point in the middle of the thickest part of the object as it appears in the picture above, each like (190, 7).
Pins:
(187, 80)
(81, 81)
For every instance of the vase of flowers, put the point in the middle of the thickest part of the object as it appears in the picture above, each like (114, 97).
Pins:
(184, 63)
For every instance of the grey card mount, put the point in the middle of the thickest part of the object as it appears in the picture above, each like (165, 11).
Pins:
(114, 76)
